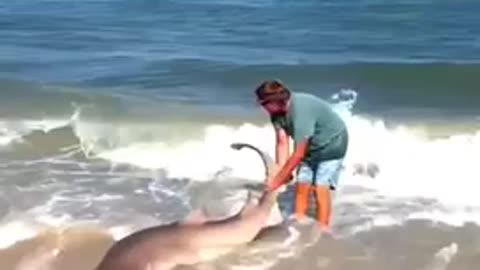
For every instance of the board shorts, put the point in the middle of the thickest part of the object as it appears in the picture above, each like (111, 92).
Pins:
(326, 173)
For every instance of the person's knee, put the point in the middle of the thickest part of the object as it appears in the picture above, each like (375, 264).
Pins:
(304, 180)
(322, 181)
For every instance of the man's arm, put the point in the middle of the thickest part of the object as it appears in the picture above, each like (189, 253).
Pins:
(282, 147)
(284, 175)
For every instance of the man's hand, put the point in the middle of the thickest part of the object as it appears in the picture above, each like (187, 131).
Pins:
(275, 170)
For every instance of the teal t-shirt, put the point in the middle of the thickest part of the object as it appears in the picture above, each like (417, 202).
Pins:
(314, 118)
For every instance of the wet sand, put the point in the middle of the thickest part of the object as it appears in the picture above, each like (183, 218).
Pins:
(410, 246)
(79, 248)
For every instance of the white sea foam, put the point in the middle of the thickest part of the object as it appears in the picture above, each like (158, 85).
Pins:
(410, 166)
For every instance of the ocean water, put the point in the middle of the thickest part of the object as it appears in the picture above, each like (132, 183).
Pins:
(116, 115)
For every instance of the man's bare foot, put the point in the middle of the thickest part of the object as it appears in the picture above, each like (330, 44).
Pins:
(326, 231)
(325, 228)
